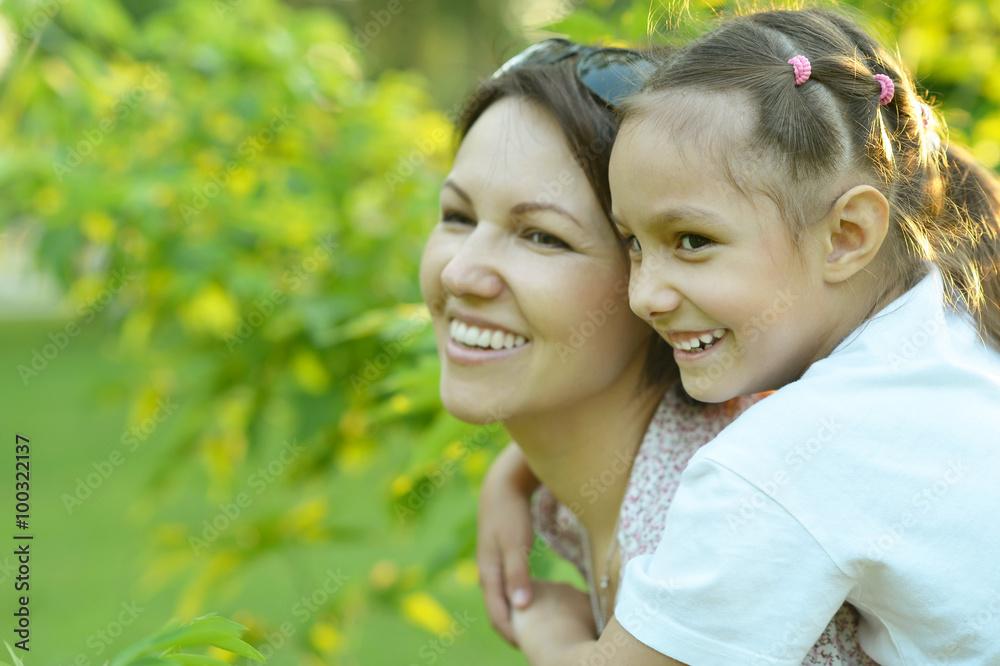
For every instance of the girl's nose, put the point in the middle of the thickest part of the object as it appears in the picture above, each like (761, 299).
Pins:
(472, 271)
(651, 293)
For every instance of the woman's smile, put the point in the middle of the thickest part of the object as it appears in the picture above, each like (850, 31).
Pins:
(481, 342)
(520, 266)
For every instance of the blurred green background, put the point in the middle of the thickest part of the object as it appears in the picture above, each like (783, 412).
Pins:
(211, 218)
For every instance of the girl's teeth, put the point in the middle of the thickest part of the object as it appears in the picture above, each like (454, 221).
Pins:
(519, 340)
(703, 341)
(471, 336)
(508, 341)
(496, 341)
(460, 329)
(484, 339)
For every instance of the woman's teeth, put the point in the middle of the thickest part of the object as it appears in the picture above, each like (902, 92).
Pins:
(473, 336)
(701, 342)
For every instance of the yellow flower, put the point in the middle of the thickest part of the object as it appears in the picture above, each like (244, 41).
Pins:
(384, 574)
(325, 637)
(400, 404)
(401, 485)
(211, 310)
(97, 226)
(47, 201)
(455, 450)
(424, 611)
(309, 372)
(476, 464)
(466, 573)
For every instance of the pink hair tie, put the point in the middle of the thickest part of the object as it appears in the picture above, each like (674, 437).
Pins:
(802, 68)
(888, 89)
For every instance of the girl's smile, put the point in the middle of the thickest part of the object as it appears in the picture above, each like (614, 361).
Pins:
(694, 343)
(712, 266)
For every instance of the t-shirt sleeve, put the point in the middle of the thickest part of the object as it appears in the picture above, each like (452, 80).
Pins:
(735, 579)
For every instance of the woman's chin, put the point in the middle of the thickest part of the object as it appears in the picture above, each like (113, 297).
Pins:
(473, 408)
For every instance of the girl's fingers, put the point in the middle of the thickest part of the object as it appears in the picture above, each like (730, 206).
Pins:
(495, 597)
(517, 577)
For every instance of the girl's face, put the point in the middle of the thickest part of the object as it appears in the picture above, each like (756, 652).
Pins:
(525, 278)
(715, 270)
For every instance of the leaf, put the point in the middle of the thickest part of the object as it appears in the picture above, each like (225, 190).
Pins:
(194, 660)
(210, 630)
(17, 662)
(203, 631)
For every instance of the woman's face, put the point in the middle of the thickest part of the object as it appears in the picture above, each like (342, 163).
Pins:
(526, 281)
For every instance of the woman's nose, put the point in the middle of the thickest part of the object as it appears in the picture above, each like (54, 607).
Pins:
(652, 293)
(472, 271)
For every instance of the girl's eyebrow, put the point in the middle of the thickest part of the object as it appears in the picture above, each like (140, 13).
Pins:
(458, 190)
(687, 213)
(678, 215)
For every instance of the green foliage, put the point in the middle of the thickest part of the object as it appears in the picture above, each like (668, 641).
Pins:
(14, 661)
(243, 210)
(210, 630)
(164, 647)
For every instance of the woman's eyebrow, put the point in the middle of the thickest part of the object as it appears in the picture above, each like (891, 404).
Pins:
(458, 190)
(530, 207)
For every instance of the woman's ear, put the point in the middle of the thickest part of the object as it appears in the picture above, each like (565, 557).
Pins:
(855, 229)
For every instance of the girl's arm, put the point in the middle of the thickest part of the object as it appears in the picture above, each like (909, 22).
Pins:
(505, 537)
(558, 630)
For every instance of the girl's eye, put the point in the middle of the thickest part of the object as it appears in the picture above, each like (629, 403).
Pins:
(546, 240)
(458, 218)
(694, 242)
(631, 244)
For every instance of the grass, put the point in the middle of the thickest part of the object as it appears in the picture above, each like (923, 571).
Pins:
(88, 565)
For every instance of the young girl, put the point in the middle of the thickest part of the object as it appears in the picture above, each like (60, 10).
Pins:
(796, 225)
(527, 284)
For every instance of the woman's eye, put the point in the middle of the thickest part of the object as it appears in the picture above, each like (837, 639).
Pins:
(694, 242)
(546, 240)
(458, 218)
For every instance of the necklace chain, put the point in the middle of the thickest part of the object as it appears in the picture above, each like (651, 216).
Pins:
(603, 596)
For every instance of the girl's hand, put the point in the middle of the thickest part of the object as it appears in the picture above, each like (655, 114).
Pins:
(505, 537)
(560, 617)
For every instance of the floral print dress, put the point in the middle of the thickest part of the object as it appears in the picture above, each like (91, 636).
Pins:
(678, 429)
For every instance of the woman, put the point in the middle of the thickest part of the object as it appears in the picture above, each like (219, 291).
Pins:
(527, 285)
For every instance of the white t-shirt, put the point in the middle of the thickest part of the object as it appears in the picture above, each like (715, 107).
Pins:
(874, 478)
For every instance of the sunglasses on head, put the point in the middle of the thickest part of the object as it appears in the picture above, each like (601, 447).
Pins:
(611, 74)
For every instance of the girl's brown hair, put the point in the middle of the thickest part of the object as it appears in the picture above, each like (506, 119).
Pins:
(944, 206)
(590, 127)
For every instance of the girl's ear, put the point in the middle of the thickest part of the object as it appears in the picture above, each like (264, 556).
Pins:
(855, 228)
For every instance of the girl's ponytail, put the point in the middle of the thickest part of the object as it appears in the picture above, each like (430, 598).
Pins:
(968, 243)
